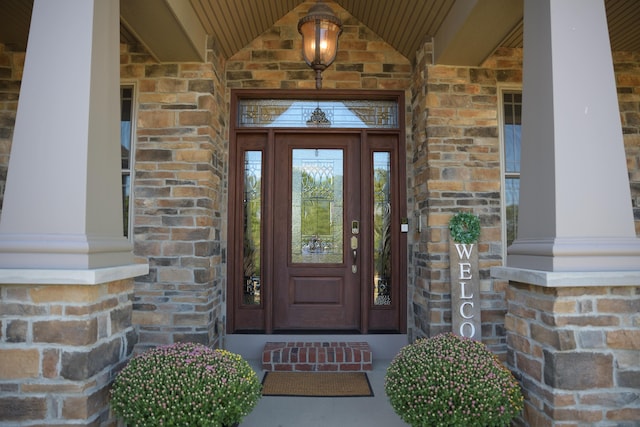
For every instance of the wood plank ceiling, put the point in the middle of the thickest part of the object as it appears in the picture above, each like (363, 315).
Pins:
(236, 23)
(404, 24)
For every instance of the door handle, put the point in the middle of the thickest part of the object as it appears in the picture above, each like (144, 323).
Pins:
(354, 252)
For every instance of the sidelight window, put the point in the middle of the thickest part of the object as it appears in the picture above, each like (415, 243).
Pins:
(382, 227)
(252, 227)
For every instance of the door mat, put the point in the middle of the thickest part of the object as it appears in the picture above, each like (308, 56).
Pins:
(316, 384)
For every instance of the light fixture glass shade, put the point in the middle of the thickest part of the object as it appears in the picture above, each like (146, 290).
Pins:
(320, 30)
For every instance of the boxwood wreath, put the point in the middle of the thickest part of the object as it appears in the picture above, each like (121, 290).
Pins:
(464, 227)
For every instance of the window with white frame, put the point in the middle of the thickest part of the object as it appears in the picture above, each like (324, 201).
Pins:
(511, 142)
(126, 150)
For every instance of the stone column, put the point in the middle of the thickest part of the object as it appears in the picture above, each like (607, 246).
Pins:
(576, 349)
(574, 270)
(62, 347)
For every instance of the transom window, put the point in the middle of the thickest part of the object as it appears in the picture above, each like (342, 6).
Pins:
(298, 113)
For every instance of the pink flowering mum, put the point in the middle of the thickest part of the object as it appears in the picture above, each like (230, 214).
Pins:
(185, 384)
(449, 380)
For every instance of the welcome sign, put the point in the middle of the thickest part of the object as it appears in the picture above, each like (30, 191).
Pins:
(465, 290)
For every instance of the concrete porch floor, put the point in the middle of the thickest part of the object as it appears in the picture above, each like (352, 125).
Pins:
(277, 411)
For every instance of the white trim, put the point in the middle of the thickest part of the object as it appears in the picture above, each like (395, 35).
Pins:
(18, 276)
(567, 279)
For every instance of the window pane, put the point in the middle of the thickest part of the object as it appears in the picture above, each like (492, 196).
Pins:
(317, 206)
(126, 196)
(512, 142)
(382, 228)
(512, 131)
(512, 137)
(512, 195)
(252, 226)
(126, 100)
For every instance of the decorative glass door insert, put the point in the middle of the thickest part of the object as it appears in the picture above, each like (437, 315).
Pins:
(316, 208)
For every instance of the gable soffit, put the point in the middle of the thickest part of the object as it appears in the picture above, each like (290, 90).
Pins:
(464, 32)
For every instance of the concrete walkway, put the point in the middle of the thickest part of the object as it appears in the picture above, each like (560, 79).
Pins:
(277, 411)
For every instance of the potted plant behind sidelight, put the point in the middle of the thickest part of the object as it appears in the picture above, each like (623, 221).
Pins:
(185, 384)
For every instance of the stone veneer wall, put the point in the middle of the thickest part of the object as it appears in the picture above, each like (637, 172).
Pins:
(274, 60)
(11, 66)
(179, 196)
(60, 347)
(456, 167)
(576, 351)
(627, 69)
(364, 61)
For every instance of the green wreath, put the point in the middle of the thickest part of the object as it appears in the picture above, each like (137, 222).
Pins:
(464, 227)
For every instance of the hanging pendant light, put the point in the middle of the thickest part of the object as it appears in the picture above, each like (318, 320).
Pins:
(320, 30)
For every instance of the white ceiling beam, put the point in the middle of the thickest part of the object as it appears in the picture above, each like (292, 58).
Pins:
(169, 29)
(473, 29)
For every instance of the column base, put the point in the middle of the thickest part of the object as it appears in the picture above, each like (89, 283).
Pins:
(68, 251)
(575, 254)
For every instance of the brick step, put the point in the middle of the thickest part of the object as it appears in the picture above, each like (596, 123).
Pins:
(317, 356)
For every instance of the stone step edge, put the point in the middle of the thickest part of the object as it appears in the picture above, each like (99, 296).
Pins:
(335, 356)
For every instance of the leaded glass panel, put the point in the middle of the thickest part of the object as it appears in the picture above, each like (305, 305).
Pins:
(252, 227)
(295, 113)
(382, 227)
(317, 206)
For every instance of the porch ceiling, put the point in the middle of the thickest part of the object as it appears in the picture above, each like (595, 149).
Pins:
(464, 31)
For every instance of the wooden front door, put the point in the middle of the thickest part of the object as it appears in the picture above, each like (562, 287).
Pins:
(317, 221)
(316, 225)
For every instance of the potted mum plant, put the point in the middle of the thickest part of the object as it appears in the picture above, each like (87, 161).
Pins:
(450, 380)
(185, 384)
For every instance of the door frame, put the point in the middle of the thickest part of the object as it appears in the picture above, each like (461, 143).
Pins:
(258, 319)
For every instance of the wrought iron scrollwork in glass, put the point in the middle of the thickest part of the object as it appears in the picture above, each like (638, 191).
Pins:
(382, 228)
(298, 113)
(317, 206)
(252, 228)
